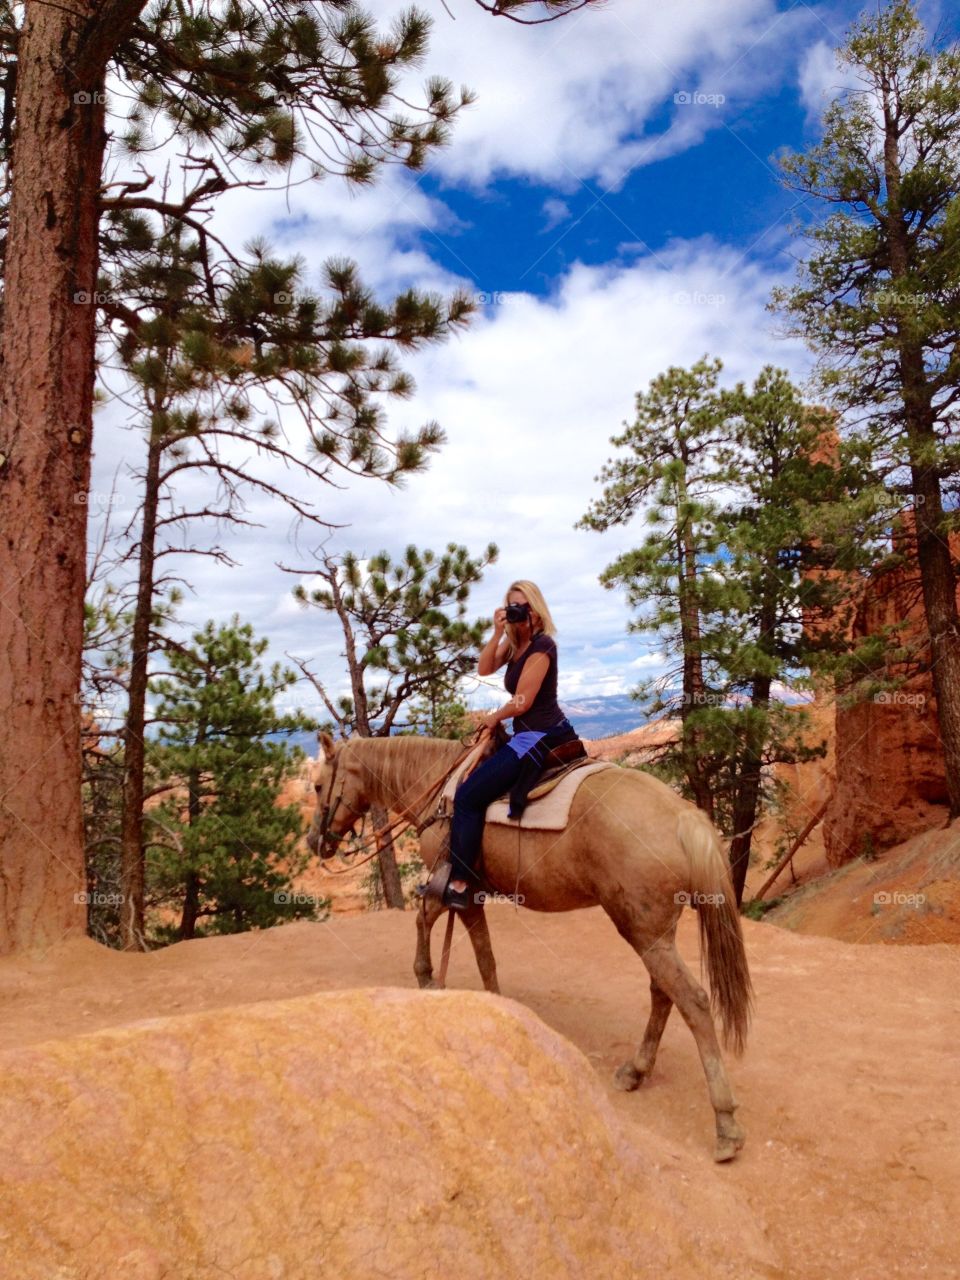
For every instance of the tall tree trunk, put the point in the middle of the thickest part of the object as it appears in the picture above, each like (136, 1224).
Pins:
(134, 747)
(937, 574)
(46, 398)
(694, 690)
(387, 861)
(746, 801)
(191, 907)
(938, 579)
(191, 900)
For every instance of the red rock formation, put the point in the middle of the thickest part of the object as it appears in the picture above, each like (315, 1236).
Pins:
(890, 781)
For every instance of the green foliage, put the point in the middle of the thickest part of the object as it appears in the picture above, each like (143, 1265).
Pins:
(240, 91)
(409, 642)
(441, 717)
(214, 343)
(222, 852)
(878, 298)
(731, 568)
(675, 465)
(102, 795)
(103, 701)
(262, 83)
(757, 908)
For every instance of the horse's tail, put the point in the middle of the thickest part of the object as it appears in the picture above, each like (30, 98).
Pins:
(721, 938)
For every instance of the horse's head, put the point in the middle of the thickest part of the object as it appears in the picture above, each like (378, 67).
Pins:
(341, 802)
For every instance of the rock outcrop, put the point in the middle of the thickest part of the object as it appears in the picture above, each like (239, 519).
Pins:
(890, 780)
(356, 1134)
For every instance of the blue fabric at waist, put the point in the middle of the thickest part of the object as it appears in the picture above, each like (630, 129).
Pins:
(524, 741)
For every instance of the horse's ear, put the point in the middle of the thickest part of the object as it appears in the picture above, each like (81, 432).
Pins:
(326, 742)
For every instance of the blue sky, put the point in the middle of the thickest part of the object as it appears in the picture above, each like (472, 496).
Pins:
(697, 193)
(612, 199)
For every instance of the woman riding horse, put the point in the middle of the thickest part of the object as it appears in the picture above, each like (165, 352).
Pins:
(523, 639)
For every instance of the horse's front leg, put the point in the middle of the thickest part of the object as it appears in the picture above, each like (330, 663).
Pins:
(475, 921)
(428, 913)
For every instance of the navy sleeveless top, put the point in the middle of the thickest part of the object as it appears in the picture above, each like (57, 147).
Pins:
(545, 711)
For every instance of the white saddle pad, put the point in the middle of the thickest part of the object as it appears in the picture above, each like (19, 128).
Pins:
(550, 813)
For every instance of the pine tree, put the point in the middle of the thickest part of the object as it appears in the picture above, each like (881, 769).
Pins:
(727, 578)
(879, 297)
(780, 614)
(222, 852)
(199, 377)
(240, 89)
(675, 467)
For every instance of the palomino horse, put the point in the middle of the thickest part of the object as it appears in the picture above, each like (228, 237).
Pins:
(631, 845)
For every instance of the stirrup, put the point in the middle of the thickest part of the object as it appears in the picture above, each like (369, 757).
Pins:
(436, 886)
(458, 899)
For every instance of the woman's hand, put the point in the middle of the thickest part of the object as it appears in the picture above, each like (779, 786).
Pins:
(492, 655)
(489, 723)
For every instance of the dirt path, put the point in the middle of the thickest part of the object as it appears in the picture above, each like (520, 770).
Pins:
(849, 1089)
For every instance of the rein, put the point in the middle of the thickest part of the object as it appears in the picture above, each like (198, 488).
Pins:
(400, 822)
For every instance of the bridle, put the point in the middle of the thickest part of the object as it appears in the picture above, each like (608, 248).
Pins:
(332, 806)
(390, 829)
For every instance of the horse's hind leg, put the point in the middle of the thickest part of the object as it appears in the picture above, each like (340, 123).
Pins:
(476, 924)
(673, 978)
(428, 913)
(635, 1071)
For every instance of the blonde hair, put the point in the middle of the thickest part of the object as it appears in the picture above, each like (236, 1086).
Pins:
(537, 605)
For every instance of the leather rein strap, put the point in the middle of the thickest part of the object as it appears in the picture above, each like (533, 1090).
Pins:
(391, 829)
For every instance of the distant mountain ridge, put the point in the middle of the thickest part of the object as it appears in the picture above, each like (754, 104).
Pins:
(601, 716)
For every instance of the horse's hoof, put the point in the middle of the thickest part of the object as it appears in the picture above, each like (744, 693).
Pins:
(425, 982)
(729, 1143)
(628, 1078)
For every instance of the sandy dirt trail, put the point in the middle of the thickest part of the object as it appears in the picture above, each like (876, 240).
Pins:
(849, 1089)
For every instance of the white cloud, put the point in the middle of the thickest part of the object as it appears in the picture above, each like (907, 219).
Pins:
(529, 397)
(822, 78)
(531, 393)
(555, 212)
(568, 101)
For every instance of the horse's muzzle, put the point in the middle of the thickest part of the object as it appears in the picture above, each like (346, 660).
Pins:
(328, 846)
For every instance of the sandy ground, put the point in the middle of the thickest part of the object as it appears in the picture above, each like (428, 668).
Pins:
(849, 1089)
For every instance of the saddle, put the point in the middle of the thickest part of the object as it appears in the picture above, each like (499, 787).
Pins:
(559, 783)
(534, 774)
(548, 810)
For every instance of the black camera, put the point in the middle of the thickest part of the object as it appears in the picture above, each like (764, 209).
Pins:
(518, 613)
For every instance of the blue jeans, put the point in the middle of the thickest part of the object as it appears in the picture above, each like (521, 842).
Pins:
(487, 782)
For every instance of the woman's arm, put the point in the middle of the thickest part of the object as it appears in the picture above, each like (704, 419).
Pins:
(490, 657)
(531, 678)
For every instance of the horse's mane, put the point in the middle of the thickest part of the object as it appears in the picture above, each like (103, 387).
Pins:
(403, 767)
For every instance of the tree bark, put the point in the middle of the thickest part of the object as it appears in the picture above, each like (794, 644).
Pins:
(134, 747)
(46, 398)
(791, 852)
(387, 860)
(747, 798)
(937, 573)
(191, 907)
(191, 900)
(694, 691)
